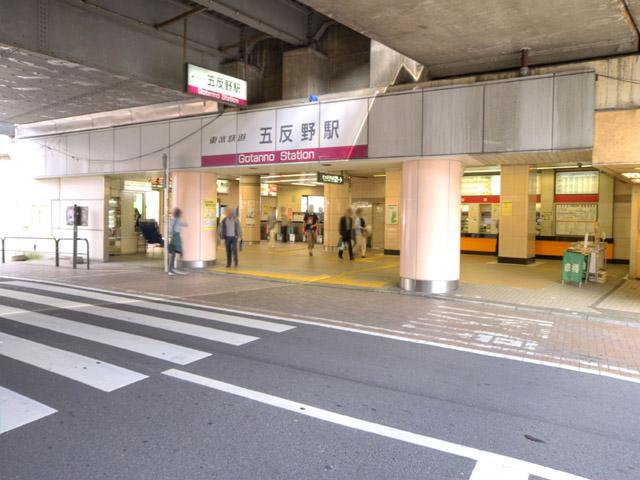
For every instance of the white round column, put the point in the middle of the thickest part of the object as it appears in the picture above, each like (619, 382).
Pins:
(195, 193)
(430, 248)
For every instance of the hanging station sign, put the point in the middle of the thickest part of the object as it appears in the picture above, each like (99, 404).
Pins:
(307, 133)
(215, 85)
(330, 178)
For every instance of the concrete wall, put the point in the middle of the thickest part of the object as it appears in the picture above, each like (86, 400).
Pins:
(617, 85)
(348, 55)
(304, 72)
(267, 56)
(367, 188)
(37, 208)
(616, 139)
(289, 196)
(388, 67)
(232, 198)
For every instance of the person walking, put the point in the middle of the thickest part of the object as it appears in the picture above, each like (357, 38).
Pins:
(230, 233)
(310, 222)
(360, 233)
(346, 233)
(176, 225)
(273, 228)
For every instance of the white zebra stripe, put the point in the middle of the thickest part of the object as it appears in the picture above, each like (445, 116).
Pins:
(163, 307)
(207, 333)
(115, 338)
(17, 410)
(95, 373)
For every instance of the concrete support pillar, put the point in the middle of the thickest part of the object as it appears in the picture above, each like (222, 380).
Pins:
(195, 194)
(547, 213)
(518, 215)
(430, 253)
(634, 250)
(250, 207)
(393, 211)
(337, 198)
(605, 204)
(304, 72)
(248, 72)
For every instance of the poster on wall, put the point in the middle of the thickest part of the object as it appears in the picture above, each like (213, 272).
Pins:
(209, 214)
(392, 214)
(305, 133)
(250, 216)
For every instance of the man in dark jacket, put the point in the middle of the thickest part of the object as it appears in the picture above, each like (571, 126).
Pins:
(346, 233)
(230, 233)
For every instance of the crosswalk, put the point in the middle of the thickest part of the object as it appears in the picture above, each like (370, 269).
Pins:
(64, 309)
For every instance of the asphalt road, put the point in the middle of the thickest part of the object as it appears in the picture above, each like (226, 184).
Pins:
(275, 403)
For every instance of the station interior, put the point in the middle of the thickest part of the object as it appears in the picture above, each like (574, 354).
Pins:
(569, 199)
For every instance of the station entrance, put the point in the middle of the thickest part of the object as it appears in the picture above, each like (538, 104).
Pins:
(569, 200)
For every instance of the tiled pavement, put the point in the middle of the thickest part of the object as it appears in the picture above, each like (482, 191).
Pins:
(626, 299)
(610, 348)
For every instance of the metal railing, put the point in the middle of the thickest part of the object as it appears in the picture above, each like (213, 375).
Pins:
(3, 241)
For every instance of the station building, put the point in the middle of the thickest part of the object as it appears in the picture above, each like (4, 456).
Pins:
(438, 170)
(518, 164)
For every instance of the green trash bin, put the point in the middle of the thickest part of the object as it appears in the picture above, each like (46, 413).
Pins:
(574, 267)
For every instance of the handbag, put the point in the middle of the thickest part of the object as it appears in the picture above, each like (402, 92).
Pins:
(340, 245)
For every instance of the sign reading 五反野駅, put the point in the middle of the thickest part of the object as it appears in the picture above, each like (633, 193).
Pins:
(217, 86)
(330, 178)
(315, 132)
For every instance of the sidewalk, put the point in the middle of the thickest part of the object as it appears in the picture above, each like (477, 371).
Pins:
(570, 341)
(482, 279)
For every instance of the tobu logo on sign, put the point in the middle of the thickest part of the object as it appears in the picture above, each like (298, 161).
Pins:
(217, 86)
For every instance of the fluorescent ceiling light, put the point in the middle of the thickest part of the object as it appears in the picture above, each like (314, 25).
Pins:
(297, 175)
(632, 175)
(565, 166)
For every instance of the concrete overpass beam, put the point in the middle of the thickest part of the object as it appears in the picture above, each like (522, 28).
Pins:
(122, 42)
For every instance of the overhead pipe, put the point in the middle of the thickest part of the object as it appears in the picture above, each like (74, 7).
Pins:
(184, 15)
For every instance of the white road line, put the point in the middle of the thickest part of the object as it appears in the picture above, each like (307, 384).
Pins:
(362, 329)
(494, 315)
(191, 312)
(95, 373)
(480, 456)
(488, 471)
(17, 410)
(126, 341)
(183, 328)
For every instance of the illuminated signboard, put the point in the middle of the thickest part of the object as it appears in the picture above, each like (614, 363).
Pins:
(137, 186)
(217, 86)
(268, 189)
(330, 178)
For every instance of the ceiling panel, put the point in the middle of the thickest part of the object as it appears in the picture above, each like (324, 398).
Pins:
(462, 36)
